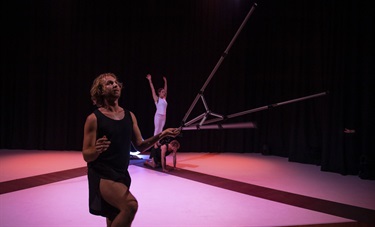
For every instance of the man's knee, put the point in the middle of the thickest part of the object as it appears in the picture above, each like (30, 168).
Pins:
(132, 205)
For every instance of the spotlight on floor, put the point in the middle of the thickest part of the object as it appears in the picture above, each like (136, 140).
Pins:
(134, 155)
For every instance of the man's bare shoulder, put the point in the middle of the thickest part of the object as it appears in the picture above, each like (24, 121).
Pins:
(91, 119)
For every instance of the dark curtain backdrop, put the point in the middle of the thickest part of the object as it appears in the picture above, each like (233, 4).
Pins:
(52, 50)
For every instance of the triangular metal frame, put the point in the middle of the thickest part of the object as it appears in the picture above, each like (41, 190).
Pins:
(202, 118)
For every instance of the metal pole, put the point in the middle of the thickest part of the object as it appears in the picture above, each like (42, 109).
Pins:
(218, 64)
(222, 126)
(267, 107)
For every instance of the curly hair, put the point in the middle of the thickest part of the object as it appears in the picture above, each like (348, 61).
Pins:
(96, 89)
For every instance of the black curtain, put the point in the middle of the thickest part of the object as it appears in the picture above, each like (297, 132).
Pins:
(52, 50)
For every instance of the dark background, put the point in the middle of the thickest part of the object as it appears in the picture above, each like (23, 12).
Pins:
(52, 50)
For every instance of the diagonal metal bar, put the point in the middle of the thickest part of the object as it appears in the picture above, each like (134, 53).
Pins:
(262, 108)
(217, 65)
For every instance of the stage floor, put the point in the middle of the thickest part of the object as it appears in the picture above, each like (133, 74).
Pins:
(49, 188)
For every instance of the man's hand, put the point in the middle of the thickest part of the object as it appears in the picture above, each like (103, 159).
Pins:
(102, 144)
(173, 132)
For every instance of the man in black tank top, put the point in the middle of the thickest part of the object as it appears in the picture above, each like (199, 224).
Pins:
(108, 134)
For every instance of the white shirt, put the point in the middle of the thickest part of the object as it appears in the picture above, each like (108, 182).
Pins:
(161, 106)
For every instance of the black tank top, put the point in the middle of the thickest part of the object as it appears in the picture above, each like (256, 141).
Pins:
(119, 132)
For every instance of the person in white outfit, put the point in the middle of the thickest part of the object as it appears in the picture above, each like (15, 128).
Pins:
(161, 104)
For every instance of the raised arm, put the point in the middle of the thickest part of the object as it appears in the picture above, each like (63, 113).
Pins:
(142, 145)
(165, 86)
(154, 96)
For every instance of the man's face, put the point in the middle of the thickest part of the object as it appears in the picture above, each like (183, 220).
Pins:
(111, 87)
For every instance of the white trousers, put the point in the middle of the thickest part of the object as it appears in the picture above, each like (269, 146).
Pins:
(159, 122)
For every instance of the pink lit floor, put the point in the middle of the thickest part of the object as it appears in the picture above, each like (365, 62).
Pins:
(209, 190)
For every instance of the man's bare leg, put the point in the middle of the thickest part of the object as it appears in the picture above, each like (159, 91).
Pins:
(109, 222)
(119, 196)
